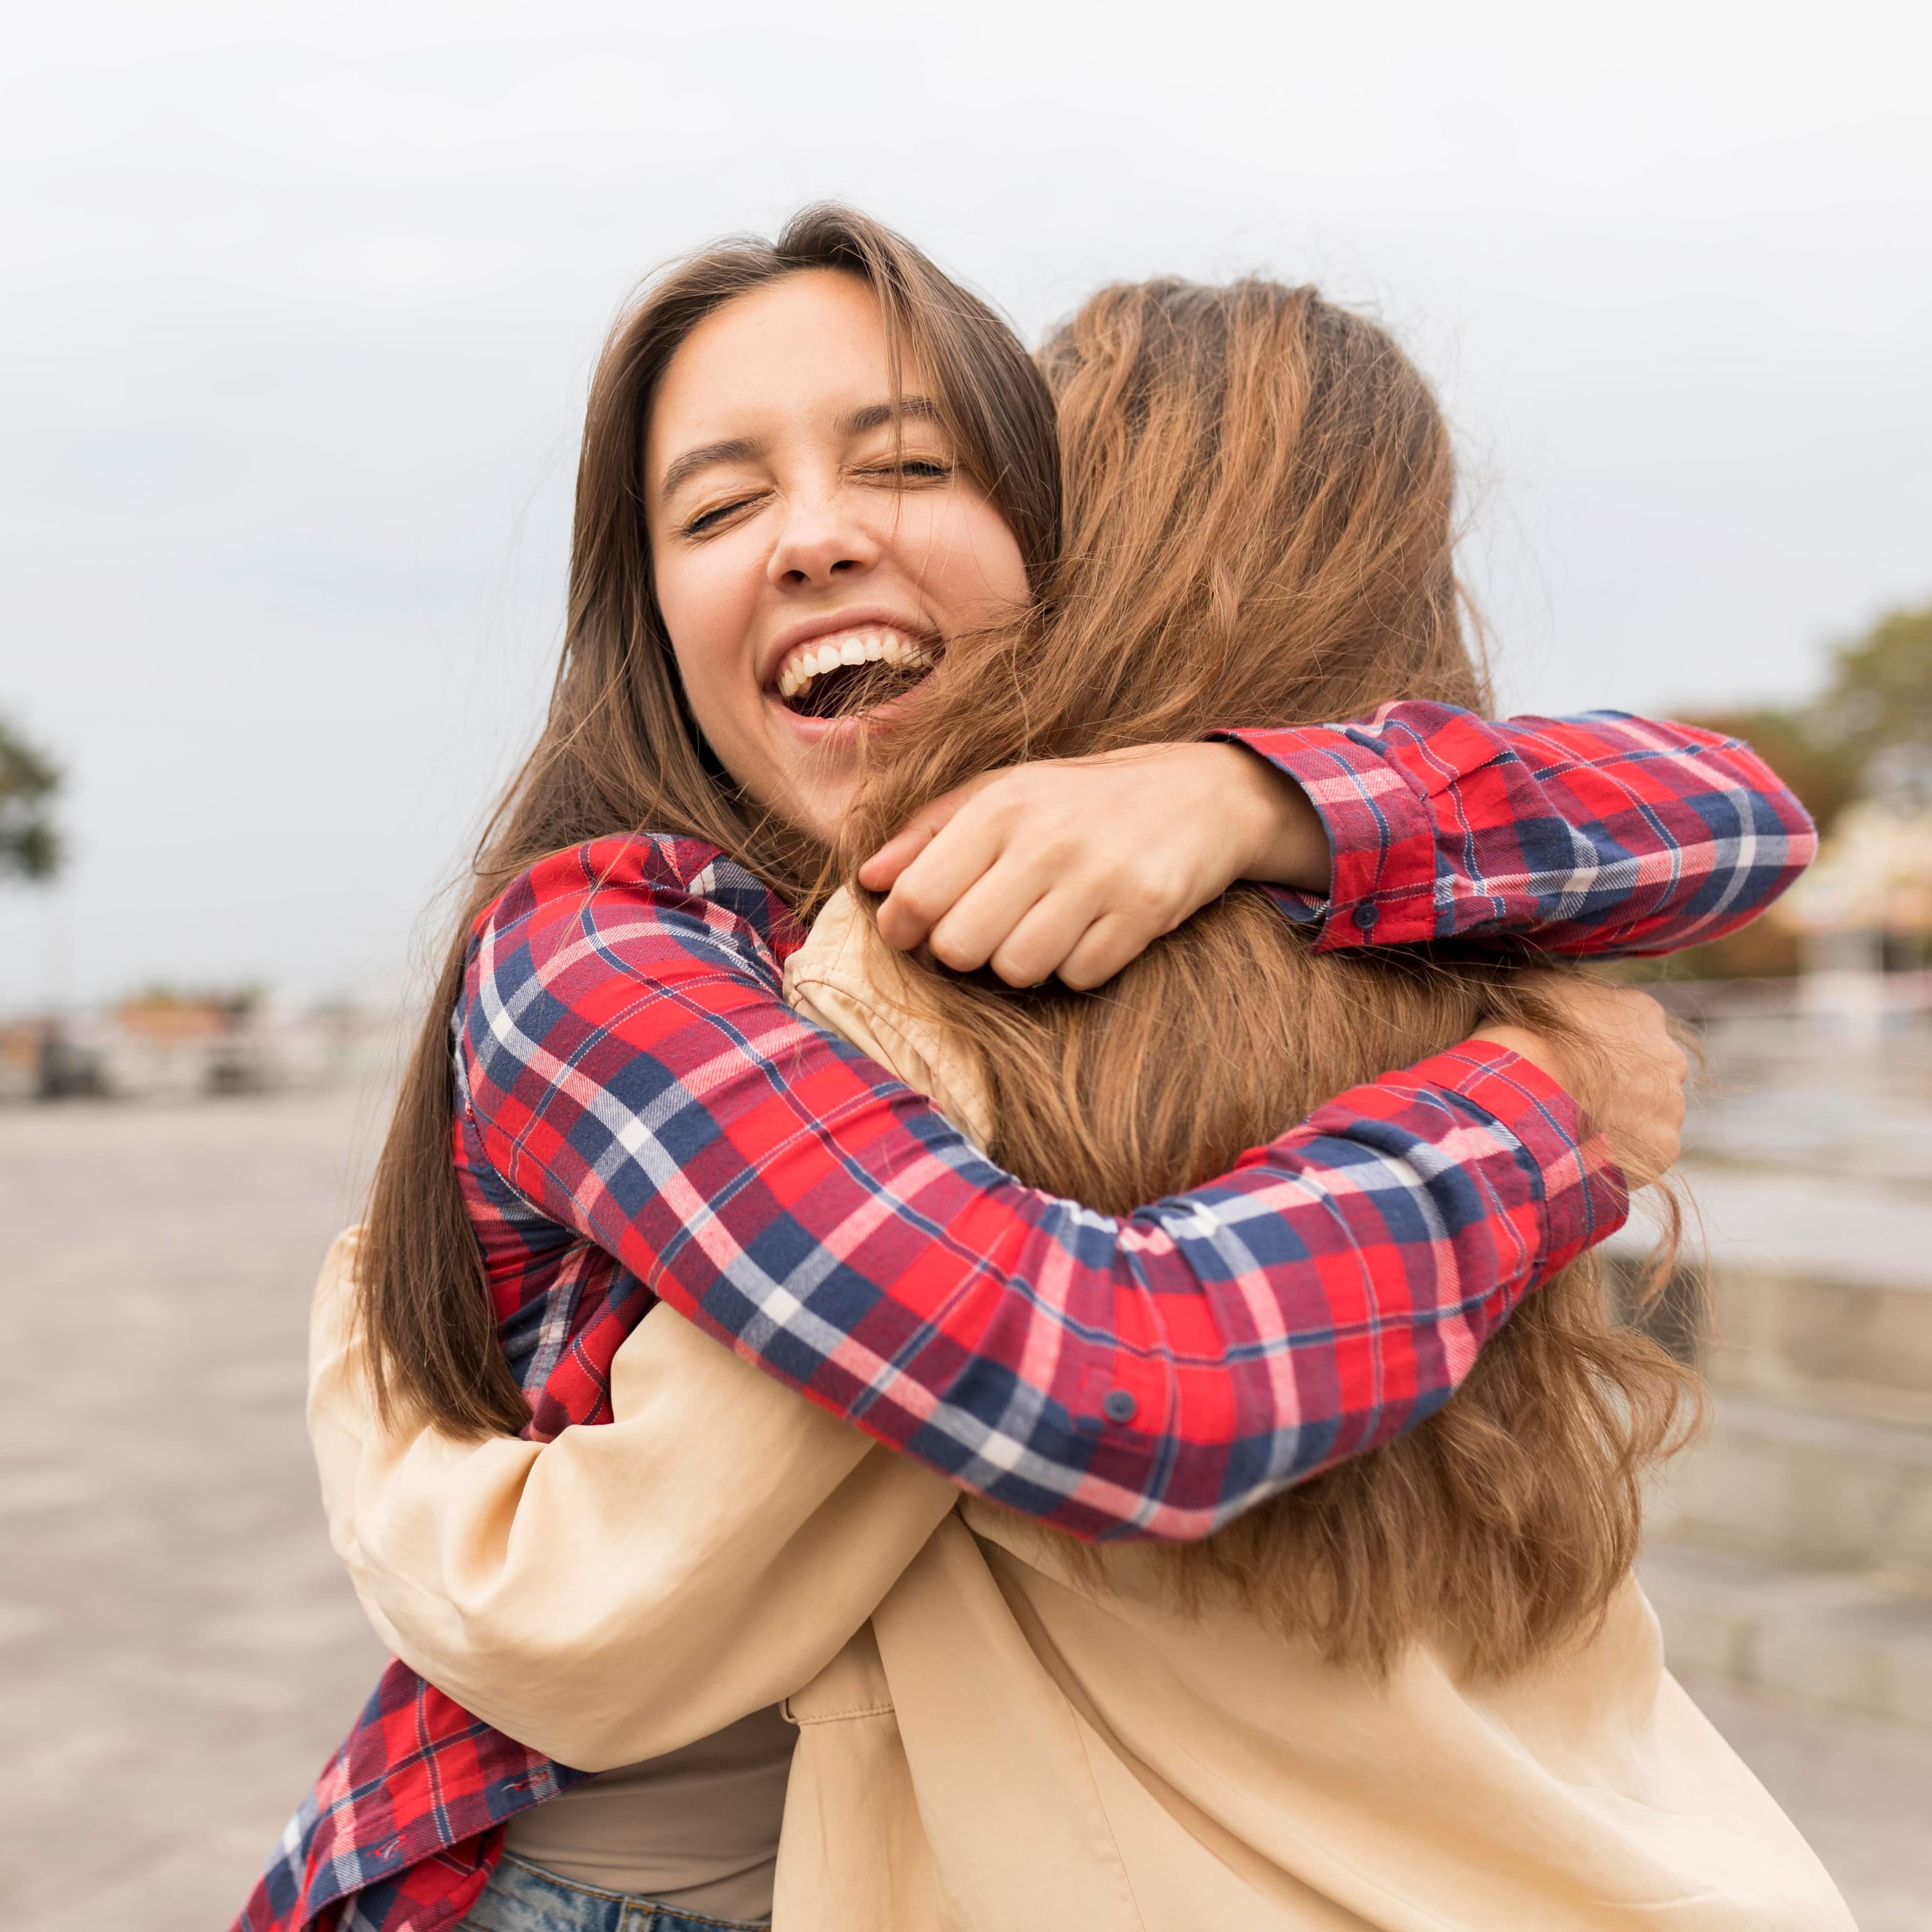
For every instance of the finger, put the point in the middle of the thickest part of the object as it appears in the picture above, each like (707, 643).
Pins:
(958, 856)
(1112, 941)
(879, 872)
(1046, 935)
(966, 936)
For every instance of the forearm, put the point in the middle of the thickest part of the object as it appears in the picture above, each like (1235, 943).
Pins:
(1151, 1376)
(1593, 835)
(625, 1589)
(1214, 1349)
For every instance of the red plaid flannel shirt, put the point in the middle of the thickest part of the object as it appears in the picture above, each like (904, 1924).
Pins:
(643, 1117)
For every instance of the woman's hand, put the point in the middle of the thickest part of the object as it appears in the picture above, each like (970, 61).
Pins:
(1075, 865)
(1613, 1054)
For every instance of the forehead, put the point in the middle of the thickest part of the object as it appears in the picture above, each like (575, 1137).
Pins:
(794, 355)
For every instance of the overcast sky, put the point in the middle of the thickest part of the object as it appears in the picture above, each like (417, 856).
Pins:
(299, 302)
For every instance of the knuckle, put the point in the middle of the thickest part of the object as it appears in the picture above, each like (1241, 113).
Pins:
(1017, 969)
(1158, 893)
(954, 949)
(917, 900)
(1154, 893)
(999, 812)
(1091, 963)
(1061, 849)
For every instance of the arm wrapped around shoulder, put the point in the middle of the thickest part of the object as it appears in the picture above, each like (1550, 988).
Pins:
(709, 1550)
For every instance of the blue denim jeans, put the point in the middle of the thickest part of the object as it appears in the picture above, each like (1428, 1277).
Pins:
(522, 1897)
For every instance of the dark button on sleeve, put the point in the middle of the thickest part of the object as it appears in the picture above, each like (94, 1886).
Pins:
(1118, 1405)
(1365, 915)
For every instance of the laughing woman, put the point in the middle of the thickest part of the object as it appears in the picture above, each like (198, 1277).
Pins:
(809, 471)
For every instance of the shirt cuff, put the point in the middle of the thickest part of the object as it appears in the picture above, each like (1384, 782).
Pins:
(1585, 1195)
(1381, 838)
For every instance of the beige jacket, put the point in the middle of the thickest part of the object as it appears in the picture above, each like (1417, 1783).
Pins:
(992, 1738)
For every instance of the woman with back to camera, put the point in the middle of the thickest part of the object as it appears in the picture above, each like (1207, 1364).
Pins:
(811, 1209)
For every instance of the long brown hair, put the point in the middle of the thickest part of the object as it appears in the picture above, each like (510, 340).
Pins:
(620, 752)
(1260, 497)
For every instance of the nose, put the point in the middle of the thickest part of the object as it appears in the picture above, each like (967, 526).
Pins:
(823, 540)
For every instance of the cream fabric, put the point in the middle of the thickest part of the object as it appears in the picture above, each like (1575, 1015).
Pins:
(623, 1590)
(1016, 1741)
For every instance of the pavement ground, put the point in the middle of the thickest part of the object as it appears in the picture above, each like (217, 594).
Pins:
(179, 1651)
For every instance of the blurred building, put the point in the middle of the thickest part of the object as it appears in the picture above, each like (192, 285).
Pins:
(1865, 913)
(167, 1046)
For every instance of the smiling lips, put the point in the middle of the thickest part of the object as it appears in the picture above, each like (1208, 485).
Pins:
(806, 681)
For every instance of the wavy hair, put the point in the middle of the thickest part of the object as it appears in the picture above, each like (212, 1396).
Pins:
(1259, 495)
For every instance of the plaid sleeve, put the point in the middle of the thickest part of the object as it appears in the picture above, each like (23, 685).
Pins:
(630, 1068)
(1599, 834)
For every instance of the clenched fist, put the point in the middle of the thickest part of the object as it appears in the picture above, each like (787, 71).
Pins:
(1610, 1049)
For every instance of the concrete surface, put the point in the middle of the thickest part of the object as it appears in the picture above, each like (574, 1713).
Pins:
(178, 1651)
(1791, 1551)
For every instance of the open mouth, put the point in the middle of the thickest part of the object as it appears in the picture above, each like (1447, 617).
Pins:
(852, 671)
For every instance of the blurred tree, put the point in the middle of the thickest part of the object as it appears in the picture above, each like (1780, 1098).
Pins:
(1880, 692)
(1868, 733)
(29, 846)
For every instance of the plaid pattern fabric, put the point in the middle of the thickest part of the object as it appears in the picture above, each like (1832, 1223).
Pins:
(634, 1074)
(642, 1116)
(1604, 834)
(404, 1827)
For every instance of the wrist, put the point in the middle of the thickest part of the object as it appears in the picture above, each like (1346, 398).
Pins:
(1539, 1049)
(1288, 845)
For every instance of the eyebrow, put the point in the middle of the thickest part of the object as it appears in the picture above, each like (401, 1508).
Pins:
(876, 415)
(732, 449)
(741, 449)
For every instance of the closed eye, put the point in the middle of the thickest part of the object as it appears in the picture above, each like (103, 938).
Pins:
(913, 469)
(707, 520)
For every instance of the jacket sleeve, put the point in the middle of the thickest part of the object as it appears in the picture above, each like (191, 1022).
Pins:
(629, 1067)
(625, 1589)
(1602, 834)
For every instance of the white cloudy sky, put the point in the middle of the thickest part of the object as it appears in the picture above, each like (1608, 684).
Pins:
(297, 304)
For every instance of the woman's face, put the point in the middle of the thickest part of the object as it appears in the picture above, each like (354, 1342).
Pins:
(808, 570)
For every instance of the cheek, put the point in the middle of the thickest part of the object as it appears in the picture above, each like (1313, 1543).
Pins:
(701, 606)
(971, 558)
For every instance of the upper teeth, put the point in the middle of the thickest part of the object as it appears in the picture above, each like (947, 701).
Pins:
(804, 662)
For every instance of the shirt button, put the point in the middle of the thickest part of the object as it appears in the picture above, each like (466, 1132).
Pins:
(1119, 1406)
(1365, 915)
